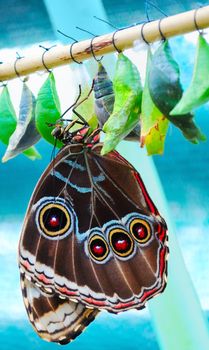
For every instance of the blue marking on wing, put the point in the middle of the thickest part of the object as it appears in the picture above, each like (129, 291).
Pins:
(79, 189)
(78, 166)
(96, 179)
(75, 165)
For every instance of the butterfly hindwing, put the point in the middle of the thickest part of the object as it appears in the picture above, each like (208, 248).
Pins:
(92, 232)
(53, 318)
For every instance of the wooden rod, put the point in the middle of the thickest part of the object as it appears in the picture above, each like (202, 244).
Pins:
(60, 55)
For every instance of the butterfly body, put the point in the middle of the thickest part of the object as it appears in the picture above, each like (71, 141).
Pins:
(92, 235)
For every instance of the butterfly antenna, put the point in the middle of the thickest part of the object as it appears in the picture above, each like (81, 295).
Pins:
(52, 160)
(80, 102)
(87, 96)
(74, 104)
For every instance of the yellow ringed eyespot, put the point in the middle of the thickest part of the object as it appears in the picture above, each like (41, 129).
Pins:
(98, 247)
(141, 230)
(121, 242)
(54, 219)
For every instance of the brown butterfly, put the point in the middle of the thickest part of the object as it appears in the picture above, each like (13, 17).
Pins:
(92, 240)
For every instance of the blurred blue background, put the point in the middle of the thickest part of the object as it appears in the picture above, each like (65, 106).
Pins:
(183, 170)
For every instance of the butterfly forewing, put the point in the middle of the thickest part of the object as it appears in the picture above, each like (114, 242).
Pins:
(93, 234)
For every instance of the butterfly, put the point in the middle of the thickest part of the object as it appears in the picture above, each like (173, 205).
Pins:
(92, 239)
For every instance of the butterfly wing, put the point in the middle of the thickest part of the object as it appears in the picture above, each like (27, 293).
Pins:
(93, 234)
(54, 319)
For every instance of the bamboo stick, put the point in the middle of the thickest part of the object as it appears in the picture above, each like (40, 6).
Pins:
(60, 55)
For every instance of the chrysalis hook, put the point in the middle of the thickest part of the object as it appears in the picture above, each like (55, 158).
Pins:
(91, 44)
(71, 46)
(149, 3)
(3, 84)
(92, 50)
(195, 22)
(18, 57)
(142, 33)
(113, 41)
(42, 57)
(160, 30)
(113, 36)
(71, 53)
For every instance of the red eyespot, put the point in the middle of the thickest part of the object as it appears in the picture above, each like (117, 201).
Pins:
(121, 242)
(141, 230)
(54, 221)
(98, 247)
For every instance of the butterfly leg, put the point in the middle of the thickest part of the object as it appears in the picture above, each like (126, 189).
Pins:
(93, 137)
